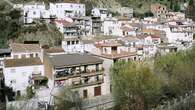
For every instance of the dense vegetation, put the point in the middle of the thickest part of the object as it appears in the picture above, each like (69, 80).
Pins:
(190, 12)
(12, 29)
(9, 24)
(138, 86)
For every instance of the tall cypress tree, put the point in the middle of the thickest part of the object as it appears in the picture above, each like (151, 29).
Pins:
(190, 11)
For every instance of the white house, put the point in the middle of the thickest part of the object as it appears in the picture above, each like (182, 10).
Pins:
(18, 72)
(33, 11)
(19, 51)
(100, 12)
(84, 24)
(61, 10)
(76, 45)
(175, 36)
(111, 27)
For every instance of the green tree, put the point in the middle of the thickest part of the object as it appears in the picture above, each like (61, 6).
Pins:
(67, 99)
(177, 70)
(135, 86)
(29, 92)
(176, 7)
(190, 11)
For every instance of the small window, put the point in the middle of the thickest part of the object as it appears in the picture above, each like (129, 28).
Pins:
(68, 42)
(72, 42)
(23, 56)
(31, 55)
(77, 42)
(110, 88)
(34, 13)
(85, 93)
(97, 91)
(13, 70)
(37, 55)
(18, 93)
(15, 56)
(13, 81)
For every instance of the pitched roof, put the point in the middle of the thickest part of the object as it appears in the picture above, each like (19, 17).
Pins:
(121, 55)
(18, 47)
(68, 60)
(22, 62)
(55, 50)
(108, 44)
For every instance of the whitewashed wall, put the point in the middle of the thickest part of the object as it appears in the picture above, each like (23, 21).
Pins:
(20, 76)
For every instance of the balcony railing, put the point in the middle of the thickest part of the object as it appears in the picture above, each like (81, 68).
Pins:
(89, 83)
(66, 76)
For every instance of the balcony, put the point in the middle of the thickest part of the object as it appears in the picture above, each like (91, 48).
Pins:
(88, 73)
(92, 73)
(81, 83)
(38, 81)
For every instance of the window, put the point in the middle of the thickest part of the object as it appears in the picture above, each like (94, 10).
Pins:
(18, 93)
(37, 55)
(105, 50)
(13, 81)
(31, 55)
(97, 91)
(97, 67)
(110, 88)
(23, 56)
(97, 78)
(85, 93)
(86, 80)
(15, 56)
(73, 42)
(13, 70)
(68, 42)
(34, 13)
(77, 42)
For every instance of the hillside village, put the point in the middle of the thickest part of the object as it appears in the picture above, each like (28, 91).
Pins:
(89, 47)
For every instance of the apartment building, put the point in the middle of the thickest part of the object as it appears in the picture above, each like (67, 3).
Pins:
(84, 24)
(97, 26)
(62, 10)
(159, 10)
(98, 17)
(82, 72)
(33, 11)
(100, 12)
(111, 27)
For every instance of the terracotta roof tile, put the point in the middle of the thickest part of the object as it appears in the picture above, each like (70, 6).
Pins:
(22, 62)
(17, 47)
(54, 50)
